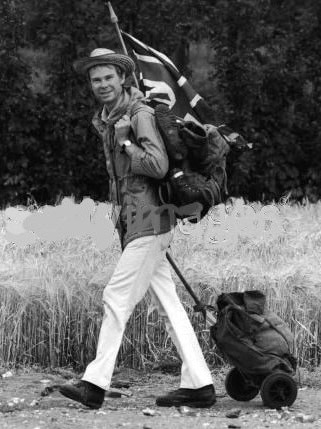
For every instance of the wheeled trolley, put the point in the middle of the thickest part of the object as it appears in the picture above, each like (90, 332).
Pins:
(259, 346)
(256, 342)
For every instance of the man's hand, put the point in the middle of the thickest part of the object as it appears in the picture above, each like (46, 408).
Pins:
(122, 129)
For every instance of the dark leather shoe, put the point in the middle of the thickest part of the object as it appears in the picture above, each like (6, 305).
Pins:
(84, 392)
(197, 398)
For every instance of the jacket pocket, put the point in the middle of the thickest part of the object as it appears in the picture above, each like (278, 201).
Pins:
(136, 184)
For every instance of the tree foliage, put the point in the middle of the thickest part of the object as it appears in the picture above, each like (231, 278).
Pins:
(265, 72)
(267, 61)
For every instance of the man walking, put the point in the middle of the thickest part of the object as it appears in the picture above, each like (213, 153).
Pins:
(136, 158)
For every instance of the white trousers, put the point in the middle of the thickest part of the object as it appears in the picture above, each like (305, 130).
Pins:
(143, 266)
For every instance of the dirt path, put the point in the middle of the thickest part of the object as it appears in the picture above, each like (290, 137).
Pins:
(21, 406)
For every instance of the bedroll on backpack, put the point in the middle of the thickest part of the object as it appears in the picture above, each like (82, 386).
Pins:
(197, 158)
(253, 339)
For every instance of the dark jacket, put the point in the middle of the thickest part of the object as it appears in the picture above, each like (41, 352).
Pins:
(134, 181)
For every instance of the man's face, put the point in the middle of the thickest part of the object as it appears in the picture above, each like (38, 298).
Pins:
(106, 84)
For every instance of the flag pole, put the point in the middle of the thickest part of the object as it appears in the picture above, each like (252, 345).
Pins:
(114, 20)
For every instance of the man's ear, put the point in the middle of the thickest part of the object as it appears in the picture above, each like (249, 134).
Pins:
(123, 78)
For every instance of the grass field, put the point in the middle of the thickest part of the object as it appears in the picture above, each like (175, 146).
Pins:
(50, 291)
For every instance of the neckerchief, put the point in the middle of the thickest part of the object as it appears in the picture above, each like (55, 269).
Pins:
(124, 105)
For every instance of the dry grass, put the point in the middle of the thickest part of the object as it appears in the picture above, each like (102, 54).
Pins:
(50, 292)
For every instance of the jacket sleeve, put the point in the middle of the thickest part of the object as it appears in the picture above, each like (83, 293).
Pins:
(149, 157)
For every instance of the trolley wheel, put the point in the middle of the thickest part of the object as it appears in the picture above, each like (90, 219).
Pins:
(278, 390)
(238, 387)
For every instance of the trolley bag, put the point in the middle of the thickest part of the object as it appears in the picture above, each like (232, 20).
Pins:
(259, 345)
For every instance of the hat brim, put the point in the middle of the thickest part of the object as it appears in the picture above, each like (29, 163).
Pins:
(123, 61)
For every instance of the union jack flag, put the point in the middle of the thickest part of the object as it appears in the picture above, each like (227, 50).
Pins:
(161, 82)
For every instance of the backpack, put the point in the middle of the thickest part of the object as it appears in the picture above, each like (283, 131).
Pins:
(253, 339)
(197, 179)
(197, 166)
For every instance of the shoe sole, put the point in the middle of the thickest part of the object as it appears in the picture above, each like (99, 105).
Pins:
(193, 404)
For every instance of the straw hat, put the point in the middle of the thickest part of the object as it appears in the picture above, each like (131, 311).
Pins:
(101, 56)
